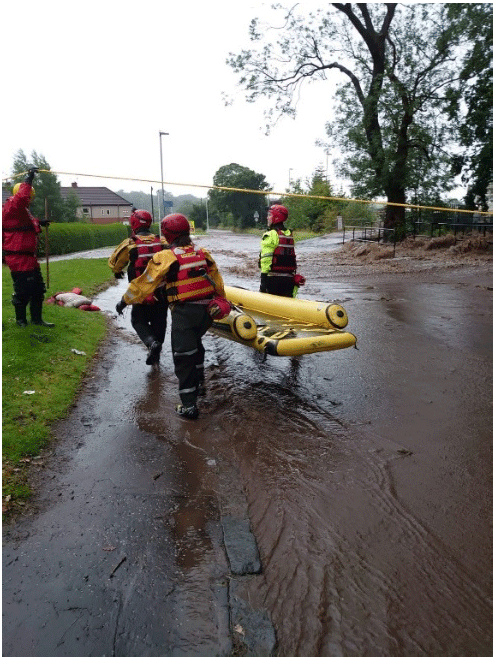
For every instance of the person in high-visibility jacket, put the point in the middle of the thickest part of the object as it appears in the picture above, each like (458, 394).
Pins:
(148, 319)
(195, 292)
(277, 260)
(19, 244)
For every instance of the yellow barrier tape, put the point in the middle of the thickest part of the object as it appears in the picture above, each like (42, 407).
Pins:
(264, 192)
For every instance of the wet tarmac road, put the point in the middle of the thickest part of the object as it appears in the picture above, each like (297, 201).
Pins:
(366, 476)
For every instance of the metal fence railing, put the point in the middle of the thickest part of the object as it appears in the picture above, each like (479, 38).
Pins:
(377, 234)
(429, 227)
(433, 229)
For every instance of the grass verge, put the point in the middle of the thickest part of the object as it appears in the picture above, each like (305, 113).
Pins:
(41, 360)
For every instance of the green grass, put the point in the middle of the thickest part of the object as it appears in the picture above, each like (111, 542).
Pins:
(305, 235)
(40, 359)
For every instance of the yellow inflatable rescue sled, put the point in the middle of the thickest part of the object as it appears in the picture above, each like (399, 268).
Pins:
(283, 326)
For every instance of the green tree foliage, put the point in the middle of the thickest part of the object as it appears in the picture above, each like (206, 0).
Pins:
(70, 208)
(395, 63)
(297, 217)
(198, 215)
(355, 213)
(237, 208)
(471, 100)
(309, 213)
(145, 201)
(319, 215)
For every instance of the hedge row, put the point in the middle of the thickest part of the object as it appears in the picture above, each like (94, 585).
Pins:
(68, 238)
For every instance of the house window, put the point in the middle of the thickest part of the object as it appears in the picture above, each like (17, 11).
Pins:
(85, 211)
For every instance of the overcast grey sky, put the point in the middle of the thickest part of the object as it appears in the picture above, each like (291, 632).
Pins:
(90, 85)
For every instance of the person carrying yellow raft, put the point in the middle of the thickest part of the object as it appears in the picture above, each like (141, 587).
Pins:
(195, 292)
(277, 260)
(149, 319)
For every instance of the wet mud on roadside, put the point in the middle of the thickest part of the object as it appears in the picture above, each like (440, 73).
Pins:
(126, 554)
(365, 475)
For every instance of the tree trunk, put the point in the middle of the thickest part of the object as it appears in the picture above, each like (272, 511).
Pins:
(395, 215)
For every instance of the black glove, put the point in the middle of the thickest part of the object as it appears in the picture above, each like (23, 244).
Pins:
(119, 275)
(30, 176)
(120, 306)
(44, 222)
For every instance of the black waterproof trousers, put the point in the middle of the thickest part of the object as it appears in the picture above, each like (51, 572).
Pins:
(189, 323)
(150, 321)
(29, 288)
(277, 285)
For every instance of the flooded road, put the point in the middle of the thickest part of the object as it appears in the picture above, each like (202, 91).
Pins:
(366, 476)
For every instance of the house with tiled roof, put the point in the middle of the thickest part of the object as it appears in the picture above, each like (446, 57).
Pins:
(6, 192)
(99, 205)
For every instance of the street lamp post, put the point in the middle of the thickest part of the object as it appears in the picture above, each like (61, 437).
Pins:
(289, 176)
(160, 133)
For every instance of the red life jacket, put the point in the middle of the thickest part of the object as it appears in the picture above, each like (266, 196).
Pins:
(189, 280)
(145, 249)
(284, 258)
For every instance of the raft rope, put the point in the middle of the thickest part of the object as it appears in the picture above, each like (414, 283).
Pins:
(263, 192)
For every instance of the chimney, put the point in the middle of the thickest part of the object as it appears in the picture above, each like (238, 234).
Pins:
(74, 184)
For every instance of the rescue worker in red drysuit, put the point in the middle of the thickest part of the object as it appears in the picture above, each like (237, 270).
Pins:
(277, 260)
(149, 319)
(19, 243)
(195, 292)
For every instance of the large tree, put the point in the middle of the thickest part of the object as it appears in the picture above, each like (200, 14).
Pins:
(471, 106)
(394, 64)
(241, 205)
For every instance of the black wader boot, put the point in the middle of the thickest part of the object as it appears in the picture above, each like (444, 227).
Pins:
(154, 349)
(141, 321)
(20, 313)
(35, 307)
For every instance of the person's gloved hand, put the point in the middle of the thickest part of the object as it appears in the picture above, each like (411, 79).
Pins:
(219, 307)
(30, 176)
(44, 222)
(120, 306)
(299, 280)
(119, 275)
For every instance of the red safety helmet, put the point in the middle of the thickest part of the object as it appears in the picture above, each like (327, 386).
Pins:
(174, 226)
(277, 214)
(140, 219)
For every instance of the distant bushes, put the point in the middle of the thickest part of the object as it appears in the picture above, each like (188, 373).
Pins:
(64, 238)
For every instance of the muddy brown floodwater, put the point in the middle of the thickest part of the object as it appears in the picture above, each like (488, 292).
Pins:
(365, 474)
